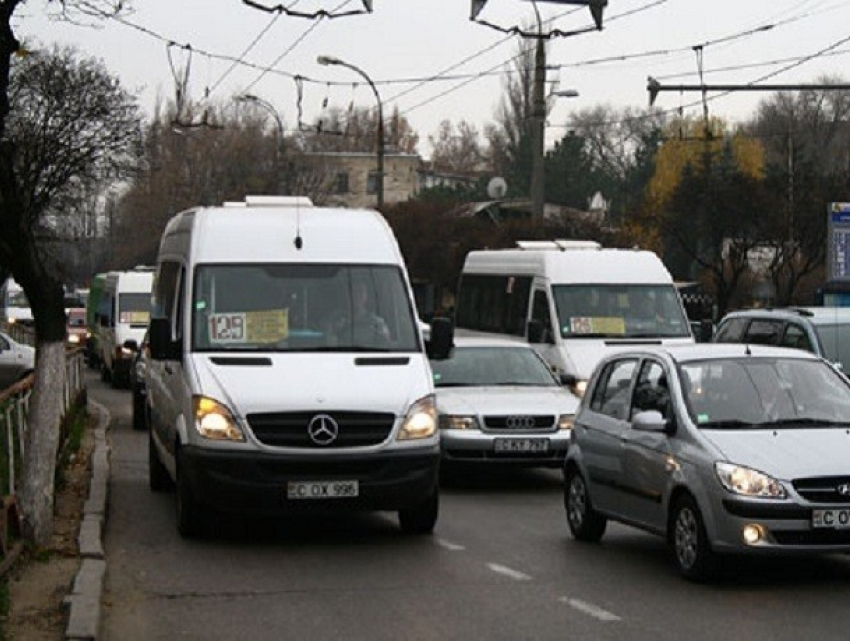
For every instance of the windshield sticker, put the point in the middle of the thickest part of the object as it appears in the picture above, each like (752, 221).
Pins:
(595, 325)
(265, 326)
(134, 318)
(703, 418)
(201, 304)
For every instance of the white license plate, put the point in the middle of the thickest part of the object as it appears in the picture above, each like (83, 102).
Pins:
(521, 445)
(296, 490)
(838, 519)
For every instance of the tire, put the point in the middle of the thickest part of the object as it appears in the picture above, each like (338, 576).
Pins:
(139, 422)
(190, 515)
(586, 524)
(421, 518)
(694, 557)
(158, 477)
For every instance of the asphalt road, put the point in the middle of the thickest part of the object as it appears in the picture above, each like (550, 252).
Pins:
(501, 565)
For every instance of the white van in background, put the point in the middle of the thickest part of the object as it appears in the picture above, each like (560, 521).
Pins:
(14, 306)
(122, 318)
(287, 368)
(574, 301)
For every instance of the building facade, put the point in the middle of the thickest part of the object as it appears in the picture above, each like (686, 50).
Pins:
(351, 178)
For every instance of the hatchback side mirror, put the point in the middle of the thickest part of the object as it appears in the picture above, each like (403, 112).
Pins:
(650, 421)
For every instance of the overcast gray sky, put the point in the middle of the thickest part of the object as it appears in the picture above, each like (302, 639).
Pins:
(428, 59)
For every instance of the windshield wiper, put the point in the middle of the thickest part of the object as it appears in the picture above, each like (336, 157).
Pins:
(806, 422)
(730, 424)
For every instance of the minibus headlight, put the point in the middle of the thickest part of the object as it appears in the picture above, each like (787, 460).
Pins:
(455, 422)
(748, 482)
(214, 421)
(73, 339)
(420, 421)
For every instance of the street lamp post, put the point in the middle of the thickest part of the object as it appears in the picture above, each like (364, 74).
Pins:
(279, 151)
(329, 60)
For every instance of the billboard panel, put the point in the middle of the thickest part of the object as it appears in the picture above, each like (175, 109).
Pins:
(838, 239)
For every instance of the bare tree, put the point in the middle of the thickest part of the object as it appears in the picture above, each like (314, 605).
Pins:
(356, 129)
(456, 149)
(65, 123)
(806, 136)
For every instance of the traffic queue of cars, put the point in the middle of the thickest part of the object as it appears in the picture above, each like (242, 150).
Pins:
(739, 446)
(720, 449)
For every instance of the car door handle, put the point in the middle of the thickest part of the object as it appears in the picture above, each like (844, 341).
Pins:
(168, 369)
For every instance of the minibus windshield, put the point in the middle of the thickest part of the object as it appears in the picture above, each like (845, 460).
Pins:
(620, 311)
(302, 307)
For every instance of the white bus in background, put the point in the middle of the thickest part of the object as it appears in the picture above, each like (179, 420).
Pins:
(574, 301)
(124, 310)
(14, 306)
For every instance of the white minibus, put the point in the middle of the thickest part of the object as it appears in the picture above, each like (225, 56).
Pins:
(123, 315)
(288, 371)
(574, 301)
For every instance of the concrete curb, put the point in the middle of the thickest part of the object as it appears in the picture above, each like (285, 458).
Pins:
(85, 598)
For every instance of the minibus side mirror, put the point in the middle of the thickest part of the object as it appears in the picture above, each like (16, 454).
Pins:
(706, 331)
(439, 344)
(161, 346)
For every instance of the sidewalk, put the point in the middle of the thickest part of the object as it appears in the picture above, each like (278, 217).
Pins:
(85, 598)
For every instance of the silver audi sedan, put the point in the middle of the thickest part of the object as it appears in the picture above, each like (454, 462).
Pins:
(718, 448)
(499, 402)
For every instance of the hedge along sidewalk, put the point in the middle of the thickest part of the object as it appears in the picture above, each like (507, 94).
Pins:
(85, 598)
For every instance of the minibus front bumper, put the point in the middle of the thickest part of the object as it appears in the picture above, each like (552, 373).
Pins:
(263, 483)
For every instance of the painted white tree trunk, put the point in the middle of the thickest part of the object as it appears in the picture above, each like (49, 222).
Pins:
(36, 493)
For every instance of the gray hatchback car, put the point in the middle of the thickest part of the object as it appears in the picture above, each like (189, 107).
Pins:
(718, 448)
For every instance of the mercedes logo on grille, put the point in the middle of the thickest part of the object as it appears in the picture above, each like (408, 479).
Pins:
(322, 429)
(843, 489)
(520, 422)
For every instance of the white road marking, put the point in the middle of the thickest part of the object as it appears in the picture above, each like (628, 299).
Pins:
(451, 547)
(590, 609)
(514, 574)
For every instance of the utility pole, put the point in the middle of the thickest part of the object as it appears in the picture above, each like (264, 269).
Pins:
(538, 97)
(538, 125)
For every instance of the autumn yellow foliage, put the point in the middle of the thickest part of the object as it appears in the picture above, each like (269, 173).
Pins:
(687, 145)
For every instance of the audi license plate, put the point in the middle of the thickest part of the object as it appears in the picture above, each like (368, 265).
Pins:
(528, 445)
(838, 519)
(322, 489)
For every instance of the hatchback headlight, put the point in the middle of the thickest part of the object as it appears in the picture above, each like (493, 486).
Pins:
(456, 422)
(214, 421)
(748, 482)
(420, 421)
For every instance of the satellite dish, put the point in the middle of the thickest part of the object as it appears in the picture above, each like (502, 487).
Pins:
(497, 188)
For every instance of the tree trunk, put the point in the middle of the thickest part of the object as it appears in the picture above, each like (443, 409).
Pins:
(42, 443)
